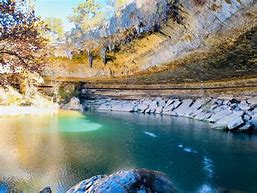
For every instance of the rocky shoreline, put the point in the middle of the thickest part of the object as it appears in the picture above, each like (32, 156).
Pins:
(225, 113)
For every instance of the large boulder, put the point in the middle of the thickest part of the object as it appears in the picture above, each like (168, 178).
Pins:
(46, 190)
(136, 181)
(246, 127)
(232, 121)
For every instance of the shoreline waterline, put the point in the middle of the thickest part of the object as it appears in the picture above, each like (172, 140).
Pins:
(15, 110)
(230, 113)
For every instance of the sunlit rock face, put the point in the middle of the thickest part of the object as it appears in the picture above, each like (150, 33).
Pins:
(199, 22)
(201, 17)
(133, 14)
(151, 33)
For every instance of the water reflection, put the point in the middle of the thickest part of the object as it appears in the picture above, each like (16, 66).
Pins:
(63, 149)
(29, 154)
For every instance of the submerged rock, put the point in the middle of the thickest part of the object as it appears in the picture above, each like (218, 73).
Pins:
(245, 127)
(136, 181)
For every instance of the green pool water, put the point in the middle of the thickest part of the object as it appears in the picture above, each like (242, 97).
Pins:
(61, 150)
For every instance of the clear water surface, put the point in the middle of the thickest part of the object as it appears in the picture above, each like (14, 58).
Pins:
(61, 150)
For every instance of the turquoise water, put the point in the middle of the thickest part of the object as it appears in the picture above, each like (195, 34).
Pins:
(61, 150)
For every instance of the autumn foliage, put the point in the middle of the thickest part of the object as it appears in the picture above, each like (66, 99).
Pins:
(22, 47)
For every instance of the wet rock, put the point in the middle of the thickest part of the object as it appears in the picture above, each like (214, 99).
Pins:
(84, 185)
(245, 127)
(136, 181)
(46, 190)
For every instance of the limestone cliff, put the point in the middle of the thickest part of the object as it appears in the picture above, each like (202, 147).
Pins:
(148, 33)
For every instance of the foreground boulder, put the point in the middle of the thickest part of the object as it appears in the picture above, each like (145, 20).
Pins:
(46, 190)
(136, 181)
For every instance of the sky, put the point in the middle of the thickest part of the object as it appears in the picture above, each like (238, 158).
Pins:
(58, 8)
